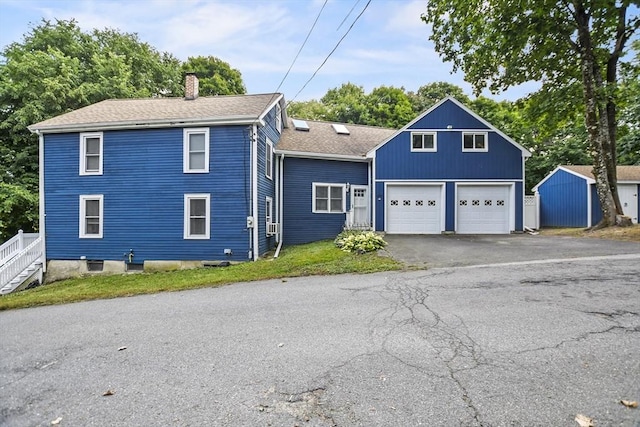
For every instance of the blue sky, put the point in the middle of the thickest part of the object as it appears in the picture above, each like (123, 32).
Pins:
(387, 46)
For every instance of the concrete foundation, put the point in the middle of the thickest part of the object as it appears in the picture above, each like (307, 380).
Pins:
(66, 269)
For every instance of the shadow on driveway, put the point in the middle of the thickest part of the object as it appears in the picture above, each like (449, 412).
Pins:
(462, 250)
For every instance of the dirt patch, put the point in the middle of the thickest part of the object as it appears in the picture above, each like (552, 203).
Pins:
(627, 234)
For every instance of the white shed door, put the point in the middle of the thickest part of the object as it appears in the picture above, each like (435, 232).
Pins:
(414, 209)
(483, 209)
(628, 194)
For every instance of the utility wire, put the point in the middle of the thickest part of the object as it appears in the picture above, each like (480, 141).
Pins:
(348, 14)
(330, 53)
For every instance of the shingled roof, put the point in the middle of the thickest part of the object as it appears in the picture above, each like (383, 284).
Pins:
(624, 173)
(157, 112)
(322, 139)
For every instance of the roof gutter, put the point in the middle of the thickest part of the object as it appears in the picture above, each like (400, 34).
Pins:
(323, 156)
(87, 127)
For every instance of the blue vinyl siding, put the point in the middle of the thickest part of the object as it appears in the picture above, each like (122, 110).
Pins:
(301, 225)
(266, 186)
(395, 160)
(450, 195)
(144, 186)
(448, 114)
(563, 201)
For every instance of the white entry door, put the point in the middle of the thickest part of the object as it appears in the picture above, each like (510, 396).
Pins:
(483, 209)
(414, 209)
(628, 194)
(360, 206)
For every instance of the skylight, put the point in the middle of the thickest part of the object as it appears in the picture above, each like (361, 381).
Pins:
(300, 125)
(340, 129)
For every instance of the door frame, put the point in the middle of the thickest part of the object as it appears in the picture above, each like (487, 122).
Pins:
(367, 198)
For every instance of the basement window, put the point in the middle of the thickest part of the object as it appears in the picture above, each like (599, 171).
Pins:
(95, 265)
(138, 266)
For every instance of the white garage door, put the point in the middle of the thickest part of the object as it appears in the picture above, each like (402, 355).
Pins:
(628, 194)
(414, 209)
(483, 209)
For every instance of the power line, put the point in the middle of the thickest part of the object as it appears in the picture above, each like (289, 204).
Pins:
(348, 14)
(330, 53)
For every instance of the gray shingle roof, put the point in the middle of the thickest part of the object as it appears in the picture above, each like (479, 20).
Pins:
(322, 139)
(117, 113)
(624, 173)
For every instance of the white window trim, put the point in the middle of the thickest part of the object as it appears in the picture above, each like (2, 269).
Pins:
(268, 213)
(83, 153)
(278, 118)
(325, 184)
(82, 220)
(425, 150)
(185, 150)
(476, 150)
(187, 216)
(268, 159)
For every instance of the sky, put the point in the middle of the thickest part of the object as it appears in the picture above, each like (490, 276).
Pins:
(388, 45)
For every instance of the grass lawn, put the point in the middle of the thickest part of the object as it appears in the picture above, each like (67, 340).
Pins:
(319, 258)
(627, 234)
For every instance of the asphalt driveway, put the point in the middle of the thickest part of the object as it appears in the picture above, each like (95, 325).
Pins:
(432, 251)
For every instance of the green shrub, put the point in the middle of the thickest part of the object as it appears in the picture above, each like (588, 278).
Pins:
(359, 241)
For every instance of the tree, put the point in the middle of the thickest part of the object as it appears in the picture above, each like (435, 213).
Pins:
(57, 68)
(346, 104)
(498, 44)
(311, 110)
(629, 141)
(426, 96)
(389, 107)
(215, 76)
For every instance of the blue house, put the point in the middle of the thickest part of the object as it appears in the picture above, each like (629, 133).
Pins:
(568, 196)
(176, 183)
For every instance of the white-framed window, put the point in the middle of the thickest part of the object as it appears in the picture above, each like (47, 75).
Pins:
(475, 141)
(424, 141)
(278, 118)
(329, 198)
(268, 212)
(91, 216)
(196, 150)
(91, 153)
(268, 159)
(197, 217)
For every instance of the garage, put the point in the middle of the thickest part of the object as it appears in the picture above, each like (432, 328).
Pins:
(414, 209)
(483, 209)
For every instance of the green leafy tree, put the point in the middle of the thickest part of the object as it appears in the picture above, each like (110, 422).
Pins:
(346, 104)
(499, 44)
(17, 210)
(311, 110)
(58, 68)
(629, 141)
(215, 76)
(426, 96)
(388, 106)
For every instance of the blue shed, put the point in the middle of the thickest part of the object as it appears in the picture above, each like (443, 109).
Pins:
(448, 170)
(568, 196)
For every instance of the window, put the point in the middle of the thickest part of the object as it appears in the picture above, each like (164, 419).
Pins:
(268, 159)
(91, 217)
(474, 141)
(196, 216)
(278, 118)
(328, 198)
(196, 150)
(91, 153)
(423, 141)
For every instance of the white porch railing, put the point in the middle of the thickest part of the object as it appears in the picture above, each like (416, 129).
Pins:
(20, 262)
(351, 224)
(14, 245)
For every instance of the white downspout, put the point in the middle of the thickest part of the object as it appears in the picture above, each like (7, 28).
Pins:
(280, 205)
(254, 190)
(589, 202)
(372, 181)
(41, 210)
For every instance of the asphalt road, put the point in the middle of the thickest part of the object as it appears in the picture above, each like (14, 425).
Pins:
(515, 345)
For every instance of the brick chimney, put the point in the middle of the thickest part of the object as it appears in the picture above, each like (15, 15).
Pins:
(191, 86)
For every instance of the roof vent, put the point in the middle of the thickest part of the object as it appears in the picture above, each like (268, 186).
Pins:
(300, 125)
(340, 129)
